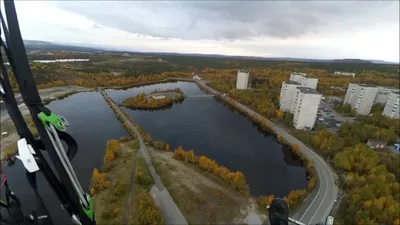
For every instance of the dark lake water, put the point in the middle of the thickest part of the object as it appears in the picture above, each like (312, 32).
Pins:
(212, 129)
(199, 123)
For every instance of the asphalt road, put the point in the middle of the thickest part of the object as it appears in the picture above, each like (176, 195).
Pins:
(313, 210)
(161, 196)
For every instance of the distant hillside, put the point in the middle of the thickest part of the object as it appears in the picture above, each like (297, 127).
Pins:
(38, 43)
(350, 61)
(44, 45)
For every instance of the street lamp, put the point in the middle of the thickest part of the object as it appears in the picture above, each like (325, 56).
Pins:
(327, 160)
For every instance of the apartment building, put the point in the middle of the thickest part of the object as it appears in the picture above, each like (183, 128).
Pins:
(288, 92)
(392, 105)
(309, 82)
(383, 94)
(336, 73)
(303, 80)
(297, 77)
(305, 108)
(361, 97)
(242, 80)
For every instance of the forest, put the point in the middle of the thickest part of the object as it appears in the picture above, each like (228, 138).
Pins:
(112, 69)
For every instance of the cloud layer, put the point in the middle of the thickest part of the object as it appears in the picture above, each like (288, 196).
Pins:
(233, 20)
(312, 29)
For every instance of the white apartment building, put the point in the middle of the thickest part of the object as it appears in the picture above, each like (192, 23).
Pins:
(288, 92)
(344, 73)
(242, 79)
(361, 97)
(383, 94)
(309, 82)
(392, 105)
(297, 77)
(303, 80)
(305, 108)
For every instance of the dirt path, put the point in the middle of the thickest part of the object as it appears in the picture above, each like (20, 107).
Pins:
(161, 196)
(131, 189)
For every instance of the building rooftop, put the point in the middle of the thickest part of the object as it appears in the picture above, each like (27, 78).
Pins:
(365, 85)
(311, 77)
(307, 90)
(291, 82)
(243, 70)
(298, 73)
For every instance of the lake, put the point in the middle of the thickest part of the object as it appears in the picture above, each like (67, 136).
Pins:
(199, 123)
(212, 129)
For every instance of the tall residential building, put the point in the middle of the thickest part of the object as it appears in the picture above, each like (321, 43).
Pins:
(297, 77)
(242, 79)
(392, 105)
(383, 94)
(344, 73)
(361, 97)
(288, 92)
(309, 82)
(303, 80)
(305, 108)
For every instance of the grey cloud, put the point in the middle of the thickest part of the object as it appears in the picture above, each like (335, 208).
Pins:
(97, 26)
(235, 20)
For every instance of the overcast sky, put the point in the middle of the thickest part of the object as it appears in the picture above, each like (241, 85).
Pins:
(315, 29)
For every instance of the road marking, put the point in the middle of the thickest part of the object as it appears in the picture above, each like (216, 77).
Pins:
(331, 207)
(323, 199)
(319, 189)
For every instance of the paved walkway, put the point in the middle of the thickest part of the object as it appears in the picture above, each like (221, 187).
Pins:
(161, 196)
(313, 210)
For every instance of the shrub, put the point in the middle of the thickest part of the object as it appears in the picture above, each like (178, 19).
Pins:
(120, 189)
(108, 156)
(295, 197)
(98, 181)
(140, 179)
(159, 145)
(124, 139)
(263, 201)
(135, 144)
(113, 145)
(116, 211)
(107, 215)
(149, 214)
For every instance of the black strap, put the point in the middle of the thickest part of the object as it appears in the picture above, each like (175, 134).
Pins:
(13, 206)
(12, 106)
(72, 145)
(27, 86)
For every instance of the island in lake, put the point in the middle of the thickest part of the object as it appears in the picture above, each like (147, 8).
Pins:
(158, 99)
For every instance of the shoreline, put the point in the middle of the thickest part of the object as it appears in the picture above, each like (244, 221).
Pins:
(48, 95)
(322, 168)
